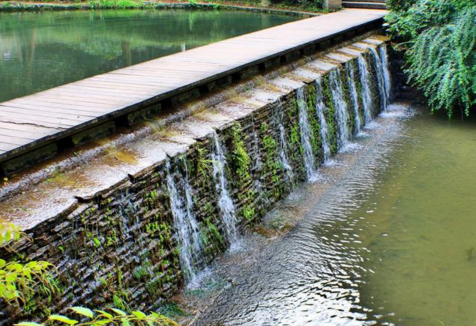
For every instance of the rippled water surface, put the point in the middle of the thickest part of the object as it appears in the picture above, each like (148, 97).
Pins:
(47, 49)
(391, 243)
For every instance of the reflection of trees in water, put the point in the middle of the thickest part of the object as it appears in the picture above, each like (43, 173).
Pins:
(48, 49)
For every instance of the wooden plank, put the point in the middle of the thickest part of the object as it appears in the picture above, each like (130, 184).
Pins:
(13, 140)
(46, 106)
(26, 128)
(7, 147)
(70, 108)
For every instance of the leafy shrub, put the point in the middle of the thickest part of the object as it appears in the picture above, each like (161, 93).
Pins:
(440, 39)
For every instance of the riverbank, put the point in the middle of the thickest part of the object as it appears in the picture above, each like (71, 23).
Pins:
(250, 6)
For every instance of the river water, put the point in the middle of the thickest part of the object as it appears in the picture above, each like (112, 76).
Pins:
(42, 50)
(388, 240)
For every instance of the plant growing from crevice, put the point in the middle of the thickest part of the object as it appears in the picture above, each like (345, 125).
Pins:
(20, 283)
(19, 280)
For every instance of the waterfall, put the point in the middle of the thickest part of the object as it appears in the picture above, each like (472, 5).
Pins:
(366, 95)
(380, 78)
(340, 105)
(386, 71)
(282, 143)
(354, 97)
(309, 161)
(225, 203)
(320, 109)
(185, 223)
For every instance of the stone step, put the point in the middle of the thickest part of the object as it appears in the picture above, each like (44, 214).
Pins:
(364, 5)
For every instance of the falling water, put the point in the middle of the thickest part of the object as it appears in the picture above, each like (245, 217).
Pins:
(321, 108)
(380, 78)
(185, 223)
(225, 202)
(366, 95)
(282, 143)
(354, 97)
(335, 81)
(386, 71)
(309, 161)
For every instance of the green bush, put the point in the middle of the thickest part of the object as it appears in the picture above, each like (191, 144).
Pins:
(440, 39)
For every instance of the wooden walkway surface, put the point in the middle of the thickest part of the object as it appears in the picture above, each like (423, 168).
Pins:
(33, 121)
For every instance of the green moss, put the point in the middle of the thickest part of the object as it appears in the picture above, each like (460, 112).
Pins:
(272, 165)
(330, 114)
(239, 164)
(358, 87)
(213, 233)
(316, 141)
(294, 155)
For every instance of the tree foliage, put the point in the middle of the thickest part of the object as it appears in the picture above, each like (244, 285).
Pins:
(440, 38)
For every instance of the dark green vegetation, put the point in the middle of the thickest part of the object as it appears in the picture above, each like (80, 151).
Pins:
(35, 54)
(305, 5)
(20, 282)
(440, 39)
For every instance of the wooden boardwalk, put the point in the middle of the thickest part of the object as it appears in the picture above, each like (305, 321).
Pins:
(34, 121)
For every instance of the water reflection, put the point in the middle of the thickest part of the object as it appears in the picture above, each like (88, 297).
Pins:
(46, 49)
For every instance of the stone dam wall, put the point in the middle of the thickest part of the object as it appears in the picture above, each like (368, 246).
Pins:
(133, 226)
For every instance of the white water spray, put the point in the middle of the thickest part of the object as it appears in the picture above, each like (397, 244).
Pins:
(354, 97)
(308, 155)
(386, 72)
(340, 105)
(365, 82)
(380, 78)
(282, 143)
(225, 203)
(320, 109)
(185, 223)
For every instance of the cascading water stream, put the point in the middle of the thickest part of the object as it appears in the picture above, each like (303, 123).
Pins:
(185, 223)
(380, 78)
(282, 143)
(340, 105)
(308, 155)
(386, 72)
(225, 203)
(354, 97)
(366, 95)
(320, 109)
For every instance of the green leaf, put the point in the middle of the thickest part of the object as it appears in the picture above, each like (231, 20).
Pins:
(125, 322)
(83, 311)
(63, 319)
(118, 312)
(139, 314)
(101, 322)
(105, 314)
(28, 323)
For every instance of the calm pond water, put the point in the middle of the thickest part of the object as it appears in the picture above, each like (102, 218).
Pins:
(47, 49)
(420, 228)
(393, 242)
